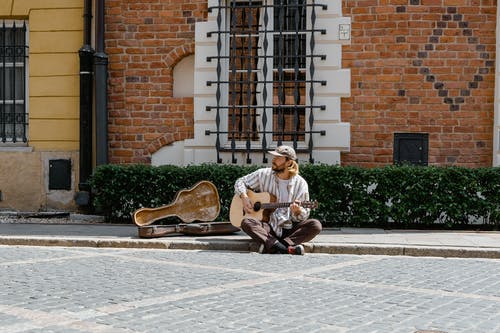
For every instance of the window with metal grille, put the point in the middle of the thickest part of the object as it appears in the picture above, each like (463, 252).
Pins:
(265, 74)
(13, 57)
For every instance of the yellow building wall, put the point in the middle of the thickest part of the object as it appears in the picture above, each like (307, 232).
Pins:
(55, 35)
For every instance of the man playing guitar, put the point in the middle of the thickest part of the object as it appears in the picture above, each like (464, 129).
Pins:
(284, 229)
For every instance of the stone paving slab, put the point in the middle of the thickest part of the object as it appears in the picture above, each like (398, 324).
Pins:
(88, 290)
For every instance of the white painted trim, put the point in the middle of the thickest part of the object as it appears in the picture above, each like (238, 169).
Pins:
(496, 121)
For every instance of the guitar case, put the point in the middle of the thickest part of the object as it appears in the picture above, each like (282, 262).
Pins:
(189, 229)
(200, 203)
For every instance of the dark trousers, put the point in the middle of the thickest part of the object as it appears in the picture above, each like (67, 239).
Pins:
(262, 232)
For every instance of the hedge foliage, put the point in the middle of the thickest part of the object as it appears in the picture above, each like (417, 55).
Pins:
(400, 196)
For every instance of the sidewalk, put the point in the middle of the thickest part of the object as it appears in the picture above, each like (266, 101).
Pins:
(78, 232)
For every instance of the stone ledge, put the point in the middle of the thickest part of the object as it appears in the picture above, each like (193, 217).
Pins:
(249, 246)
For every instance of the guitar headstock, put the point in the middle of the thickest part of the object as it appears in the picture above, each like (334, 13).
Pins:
(309, 204)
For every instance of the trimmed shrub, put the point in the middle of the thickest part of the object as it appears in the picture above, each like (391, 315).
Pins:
(392, 196)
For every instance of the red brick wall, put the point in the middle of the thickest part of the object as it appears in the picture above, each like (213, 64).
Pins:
(144, 41)
(422, 66)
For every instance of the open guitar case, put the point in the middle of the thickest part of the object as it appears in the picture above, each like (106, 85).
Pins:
(198, 204)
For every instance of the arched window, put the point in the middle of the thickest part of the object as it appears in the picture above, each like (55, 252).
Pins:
(184, 77)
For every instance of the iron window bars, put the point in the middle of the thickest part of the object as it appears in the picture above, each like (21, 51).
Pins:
(262, 59)
(13, 55)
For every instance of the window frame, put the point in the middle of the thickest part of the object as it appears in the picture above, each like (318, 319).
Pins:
(265, 135)
(14, 140)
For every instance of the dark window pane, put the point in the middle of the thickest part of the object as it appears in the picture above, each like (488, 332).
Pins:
(243, 60)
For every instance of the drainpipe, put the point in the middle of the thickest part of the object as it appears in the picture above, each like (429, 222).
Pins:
(101, 78)
(86, 54)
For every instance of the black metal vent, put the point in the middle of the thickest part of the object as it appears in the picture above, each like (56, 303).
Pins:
(13, 55)
(60, 174)
(411, 148)
(265, 75)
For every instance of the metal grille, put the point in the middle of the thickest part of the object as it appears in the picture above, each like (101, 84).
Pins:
(265, 75)
(13, 55)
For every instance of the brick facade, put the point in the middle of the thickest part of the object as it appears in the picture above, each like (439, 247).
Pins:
(144, 41)
(423, 66)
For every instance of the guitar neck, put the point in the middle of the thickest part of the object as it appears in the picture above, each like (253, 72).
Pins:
(274, 205)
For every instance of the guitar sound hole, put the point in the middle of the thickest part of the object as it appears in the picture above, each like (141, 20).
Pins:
(256, 206)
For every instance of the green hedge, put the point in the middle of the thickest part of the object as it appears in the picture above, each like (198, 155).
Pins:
(447, 197)
(118, 190)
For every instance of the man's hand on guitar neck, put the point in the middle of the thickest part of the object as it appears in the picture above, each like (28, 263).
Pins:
(295, 208)
(247, 203)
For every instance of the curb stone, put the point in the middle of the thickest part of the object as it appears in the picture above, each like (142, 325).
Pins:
(249, 246)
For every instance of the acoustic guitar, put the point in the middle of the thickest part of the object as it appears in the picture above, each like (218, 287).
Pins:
(263, 205)
(199, 203)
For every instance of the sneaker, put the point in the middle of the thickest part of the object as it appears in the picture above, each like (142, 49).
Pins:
(279, 248)
(297, 250)
(261, 249)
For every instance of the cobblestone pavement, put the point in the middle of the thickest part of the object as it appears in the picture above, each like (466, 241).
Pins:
(56, 289)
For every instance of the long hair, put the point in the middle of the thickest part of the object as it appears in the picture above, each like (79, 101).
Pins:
(293, 169)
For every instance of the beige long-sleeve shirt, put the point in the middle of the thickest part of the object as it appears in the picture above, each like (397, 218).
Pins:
(265, 180)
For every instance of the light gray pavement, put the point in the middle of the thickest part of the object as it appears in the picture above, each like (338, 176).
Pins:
(82, 232)
(108, 290)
